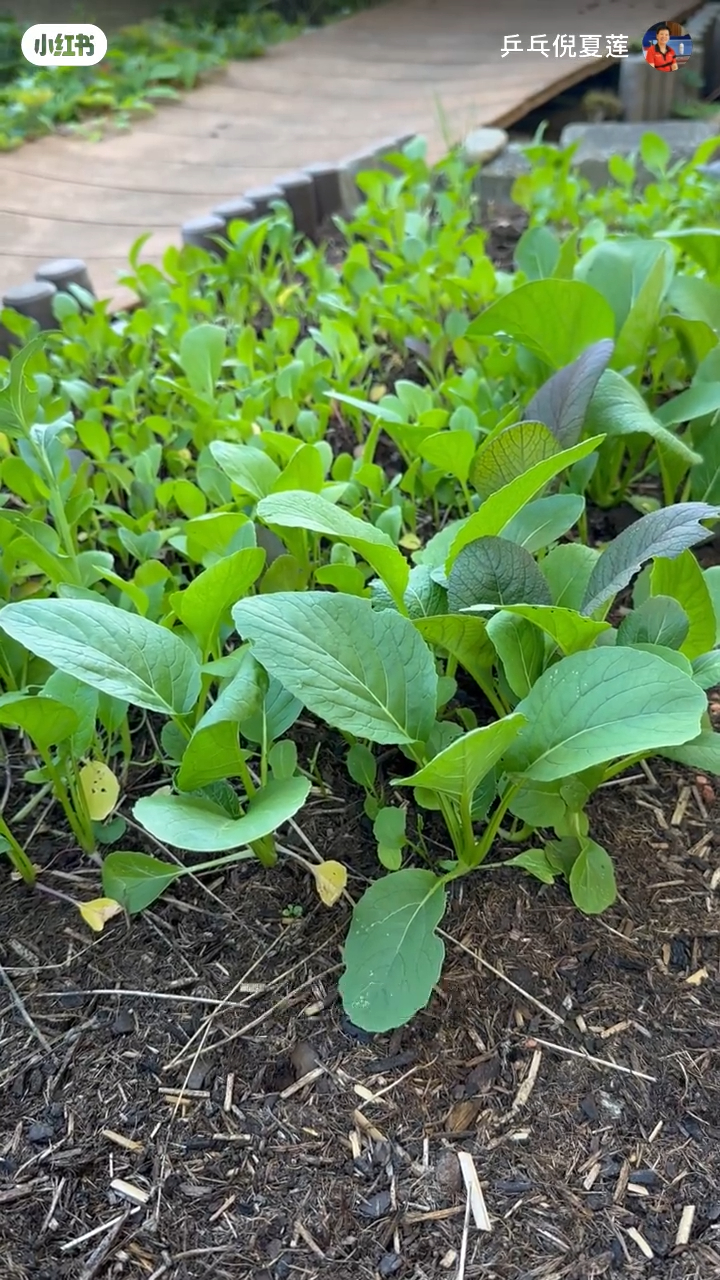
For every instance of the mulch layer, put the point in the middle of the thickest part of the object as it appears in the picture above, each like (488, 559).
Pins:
(182, 1097)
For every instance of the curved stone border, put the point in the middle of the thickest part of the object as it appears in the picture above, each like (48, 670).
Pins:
(314, 194)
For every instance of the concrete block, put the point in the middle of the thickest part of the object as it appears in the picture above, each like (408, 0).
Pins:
(598, 142)
(63, 272)
(299, 192)
(238, 210)
(328, 196)
(263, 199)
(34, 300)
(203, 233)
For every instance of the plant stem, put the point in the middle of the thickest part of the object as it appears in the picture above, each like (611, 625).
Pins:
(17, 854)
(622, 765)
(485, 844)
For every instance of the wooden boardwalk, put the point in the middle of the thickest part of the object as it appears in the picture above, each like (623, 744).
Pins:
(409, 66)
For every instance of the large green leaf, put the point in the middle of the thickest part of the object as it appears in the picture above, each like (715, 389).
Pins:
(213, 754)
(702, 244)
(570, 630)
(460, 768)
(393, 956)
(537, 253)
(510, 454)
(521, 649)
(500, 508)
(544, 521)
(423, 597)
(701, 399)
(620, 270)
(682, 579)
(364, 671)
(204, 605)
(46, 721)
(696, 299)
(201, 826)
(562, 402)
(495, 571)
(702, 752)
(706, 669)
(113, 651)
(555, 319)
(661, 533)
(601, 705)
(619, 410)
(567, 571)
(464, 637)
(300, 510)
(658, 620)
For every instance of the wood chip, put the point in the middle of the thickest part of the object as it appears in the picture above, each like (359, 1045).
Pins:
(528, 1083)
(229, 1088)
(303, 1082)
(641, 1242)
(680, 811)
(128, 1144)
(696, 978)
(129, 1191)
(474, 1192)
(685, 1227)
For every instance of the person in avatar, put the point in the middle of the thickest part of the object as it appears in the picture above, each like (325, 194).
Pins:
(660, 55)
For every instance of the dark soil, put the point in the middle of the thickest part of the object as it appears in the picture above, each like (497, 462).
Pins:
(216, 992)
(197, 1059)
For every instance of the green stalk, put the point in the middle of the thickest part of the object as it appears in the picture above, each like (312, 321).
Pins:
(622, 765)
(484, 845)
(61, 794)
(17, 854)
(371, 442)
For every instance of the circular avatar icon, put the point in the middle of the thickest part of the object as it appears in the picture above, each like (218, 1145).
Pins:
(666, 46)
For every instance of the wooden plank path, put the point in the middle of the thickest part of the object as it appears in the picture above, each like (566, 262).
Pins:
(433, 67)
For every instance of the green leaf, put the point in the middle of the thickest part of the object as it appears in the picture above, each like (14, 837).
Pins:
(706, 669)
(201, 826)
(712, 582)
(423, 597)
(696, 299)
(365, 672)
(592, 879)
(696, 402)
(46, 721)
(661, 533)
(464, 637)
(497, 510)
(277, 714)
(135, 879)
(562, 402)
(389, 827)
(495, 571)
(555, 319)
(460, 768)
(283, 758)
(510, 454)
(570, 631)
(620, 270)
(521, 649)
(212, 755)
(393, 956)
(202, 351)
(567, 571)
(84, 702)
(362, 766)
(537, 252)
(206, 602)
(658, 620)
(544, 521)
(600, 705)
(298, 510)
(682, 578)
(539, 804)
(655, 153)
(619, 410)
(702, 244)
(701, 753)
(535, 862)
(249, 468)
(450, 451)
(114, 651)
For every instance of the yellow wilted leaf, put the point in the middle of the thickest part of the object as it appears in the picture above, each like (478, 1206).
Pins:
(100, 788)
(410, 542)
(330, 880)
(98, 912)
(377, 392)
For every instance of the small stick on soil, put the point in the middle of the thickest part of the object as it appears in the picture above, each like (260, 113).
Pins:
(250, 988)
(685, 1227)
(474, 1191)
(24, 1013)
(589, 1057)
(496, 973)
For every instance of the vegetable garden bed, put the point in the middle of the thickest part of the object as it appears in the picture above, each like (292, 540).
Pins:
(312, 557)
